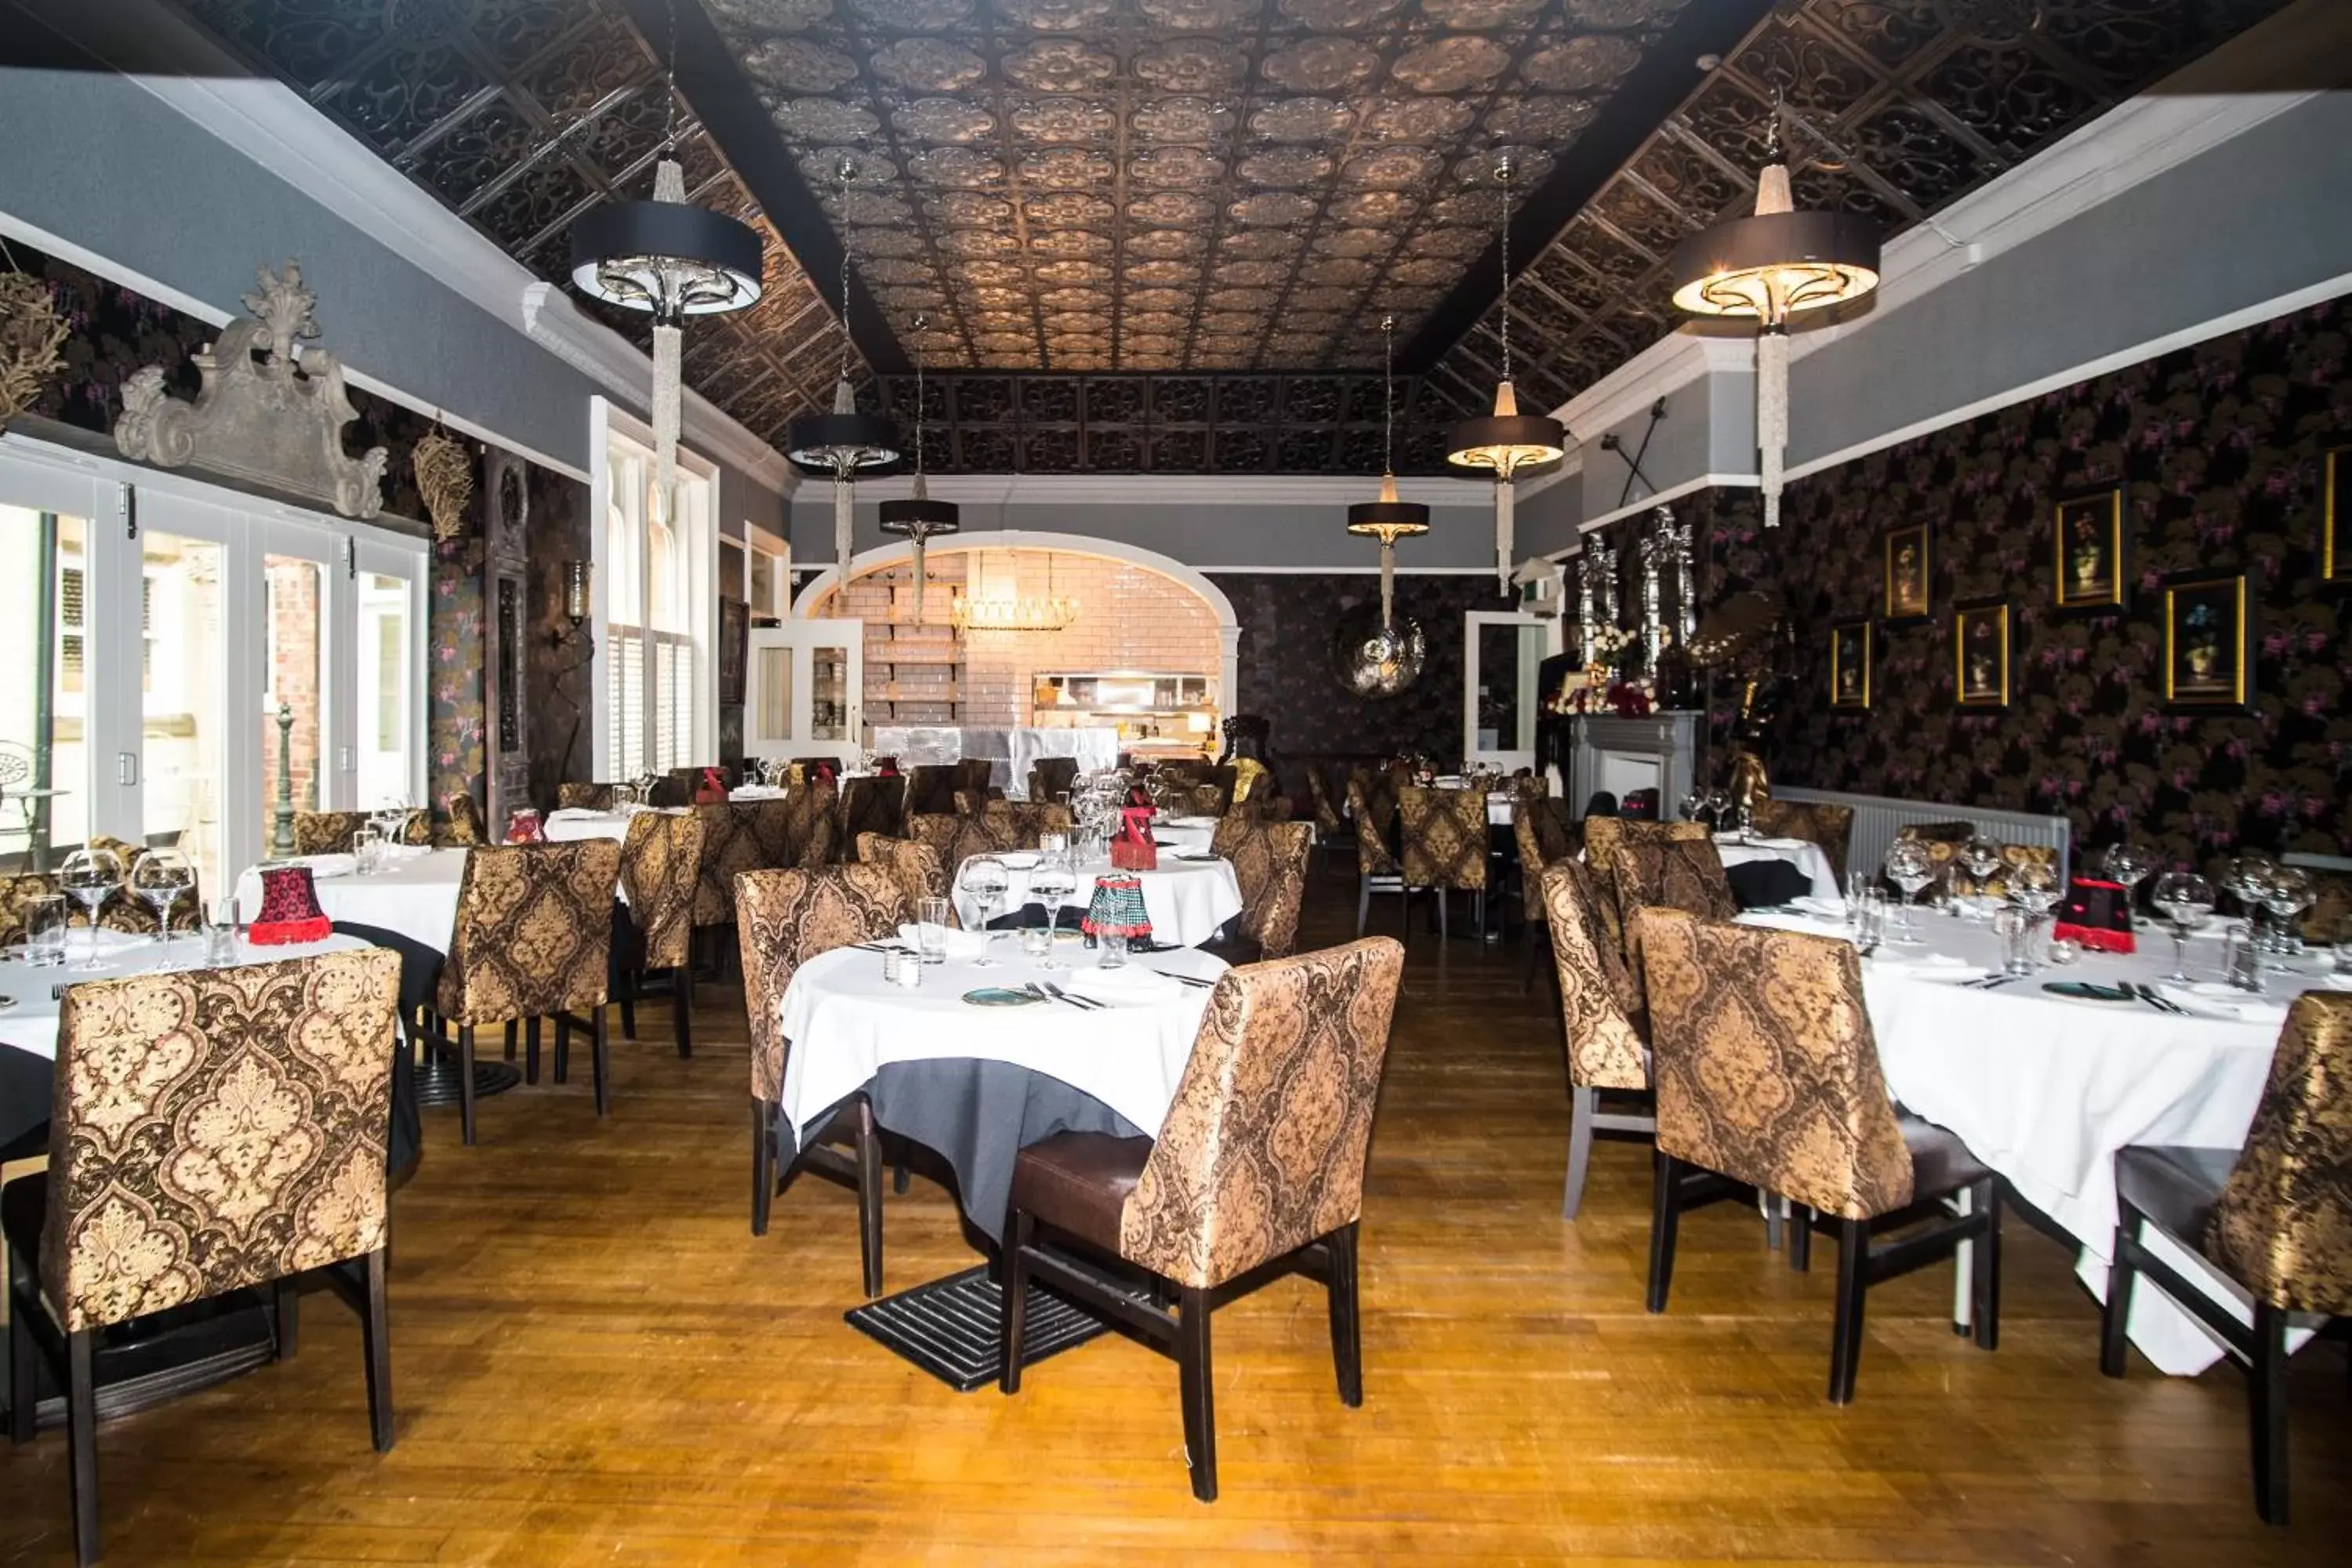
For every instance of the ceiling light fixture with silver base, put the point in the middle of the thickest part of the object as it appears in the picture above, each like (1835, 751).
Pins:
(918, 517)
(844, 443)
(1388, 519)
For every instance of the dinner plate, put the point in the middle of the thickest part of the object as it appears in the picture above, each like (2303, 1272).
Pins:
(2085, 991)
(1000, 996)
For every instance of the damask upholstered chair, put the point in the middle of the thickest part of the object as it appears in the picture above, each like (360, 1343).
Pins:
(533, 939)
(125, 912)
(1608, 1024)
(2329, 919)
(1603, 835)
(812, 829)
(1768, 1078)
(973, 777)
(465, 821)
(784, 920)
(661, 869)
(1827, 826)
(872, 806)
(1330, 827)
(1270, 863)
(930, 789)
(1542, 833)
(1444, 844)
(1377, 870)
(1260, 1158)
(916, 868)
(1683, 874)
(215, 1130)
(327, 832)
(752, 835)
(1051, 778)
(587, 796)
(2275, 1216)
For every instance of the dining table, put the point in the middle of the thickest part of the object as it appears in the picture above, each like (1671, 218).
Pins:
(571, 823)
(1734, 850)
(2045, 1075)
(413, 893)
(1188, 899)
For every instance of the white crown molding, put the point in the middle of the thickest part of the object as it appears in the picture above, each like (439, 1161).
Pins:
(1169, 489)
(1650, 503)
(173, 60)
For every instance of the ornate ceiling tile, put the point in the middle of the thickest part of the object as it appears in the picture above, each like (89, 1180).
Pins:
(1189, 66)
(1075, 300)
(1338, 272)
(1586, 64)
(955, 168)
(1160, 298)
(977, 242)
(1420, 119)
(775, 16)
(858, 206)
(1338, 16)
(1066, 169)
(1250, 274)
(1529, 165)
(1303, 120)
(1326, 298)
(1391, 168)
(884, 242)
(1285, 166)
(925, 65)
(987, 298)
(1273, 209)
(1172, 209)
(908, 300)
(994, 274)
(893, 269)
(1060, 65)
(1261, 244)
(1068, 209)
(1186, 168)
(1055, 15)
(1543, 119)
(1321, 65)
(1181, 118)
(905, 15)
(1083, 272)
(1451, 64)
(1150, 322)
(1069, 242)
(821, 166)
(1425, 269)
(1374, 209)
(1165, 274)
(1065, 119)
(1354, 242)
(1165, 244)
(798, 64)
(1200, 16)
(1479, 16)
(969, 209)
(941, 120)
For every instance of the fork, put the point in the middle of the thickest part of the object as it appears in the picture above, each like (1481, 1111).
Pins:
(1085, 1003)
(2149, 994)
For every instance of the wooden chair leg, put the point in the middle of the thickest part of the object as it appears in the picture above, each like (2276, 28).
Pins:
(1363, 905)
(1985, 1281)
(81, 1437)
(681, 986)
(2115, 1315)
(1853, 1284)
(869, 1199)
(465, 1081)
(1537, 942)
(764, 1162)
(1583, 1105)
(600, 1064)
(510, 1039)
(1444, 897)
(1195, 1381)
(1801, 1238)
(628, 1001)
(1666, 1216)
(530, 1053)
(1347, 1322)
(2266, 1411)
(23, 1369)
(287, 1300)
(375, 1343)
(1014, 1285)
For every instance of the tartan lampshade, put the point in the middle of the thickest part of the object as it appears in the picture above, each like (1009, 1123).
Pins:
(1117, 909)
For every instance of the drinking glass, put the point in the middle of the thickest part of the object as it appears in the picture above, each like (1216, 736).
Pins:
(2188, 900)
(45, 919)
(1693, 803)
(1110, 952)
(220, 936)
(1037, 946)
(1868, 910)
(89, 876)
(2015, 928)
(1053, 881)
(162, 877)
(367, 851)
(2288, 894)
(2248, 879)
(1910, 867)
(2126, 868)
(931, 930)
(1718, 804)
(1980, 859)
(985, 879)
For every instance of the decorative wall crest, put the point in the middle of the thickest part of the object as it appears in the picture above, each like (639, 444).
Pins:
(262, 415)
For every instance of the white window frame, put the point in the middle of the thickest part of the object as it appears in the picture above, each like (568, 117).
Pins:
(778, 551)
(695, 531)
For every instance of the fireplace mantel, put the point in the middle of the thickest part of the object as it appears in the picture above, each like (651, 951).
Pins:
(1622, 755)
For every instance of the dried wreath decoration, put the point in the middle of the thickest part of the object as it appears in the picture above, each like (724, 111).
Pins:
(30, 337)
(445, 477)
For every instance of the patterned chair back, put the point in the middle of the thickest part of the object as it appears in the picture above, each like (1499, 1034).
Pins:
(1765, 1068)
(126, 911)
(972, 777)
(2284, 1225)
(2329, 919)
(757, 835)
(466, 821)
(534, 931)
(1050, 776)
(1541, 828)
(872, 806)
(1603, 835)
(1444, 836)
(1270, 863)
(917, 868)
(216, 1128)
(1600, 995)
(1818, 822)
(930, 789)
(1327, 820)
(812, 829)
(661, 866)
(784, 919)
(327, 832)
(1373, 814)
(587, 796)
(1263, 1148)
(1682, 874)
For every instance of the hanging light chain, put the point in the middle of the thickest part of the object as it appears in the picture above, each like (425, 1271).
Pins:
(1503, 172)
(670, 78)
(920, 322)
(1388, 393)
(841, 178)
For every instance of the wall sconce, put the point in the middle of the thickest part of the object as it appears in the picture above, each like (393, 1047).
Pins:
(576, 602)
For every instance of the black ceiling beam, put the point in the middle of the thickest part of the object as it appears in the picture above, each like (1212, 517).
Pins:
(710, 82)
(1651, 90)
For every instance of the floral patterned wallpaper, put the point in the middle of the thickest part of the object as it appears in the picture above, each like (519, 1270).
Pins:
(2220, 450)
(456, 719)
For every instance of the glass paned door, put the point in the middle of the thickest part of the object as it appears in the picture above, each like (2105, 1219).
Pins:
(387, 663)
(44, 711)
(806, 683)
(183, 655)
(1502, 650)
(294, 694)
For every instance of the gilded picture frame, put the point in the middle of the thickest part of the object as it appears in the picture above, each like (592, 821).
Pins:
(1849, 674)
(1907, 566)
(1982, 654)
(2090, 554)
(2334, 549)
(2208, 644)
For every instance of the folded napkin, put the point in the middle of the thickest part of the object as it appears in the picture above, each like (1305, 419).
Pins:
(962, 944)
(1929, 966)
(1822, 909)
(324, 866)
(573, 813)
(2216, 999)
(1129, 982)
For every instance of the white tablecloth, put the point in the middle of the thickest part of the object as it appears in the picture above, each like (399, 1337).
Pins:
(1187, 900)
(416, 897)
(845, 1022)
(2046, 1089)
(1802, 853)
(31, 1024)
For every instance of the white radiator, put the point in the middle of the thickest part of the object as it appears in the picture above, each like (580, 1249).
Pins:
(1878, 818)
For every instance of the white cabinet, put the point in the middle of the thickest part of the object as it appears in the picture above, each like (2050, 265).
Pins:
(805, 689)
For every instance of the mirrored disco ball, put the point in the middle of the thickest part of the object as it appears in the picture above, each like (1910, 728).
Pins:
(1373, 662)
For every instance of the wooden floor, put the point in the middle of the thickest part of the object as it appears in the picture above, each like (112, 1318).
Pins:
(595, 1361)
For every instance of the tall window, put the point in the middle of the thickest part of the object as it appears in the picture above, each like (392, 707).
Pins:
(653, 635)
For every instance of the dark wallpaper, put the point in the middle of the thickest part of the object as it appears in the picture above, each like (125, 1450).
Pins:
(2219, 449)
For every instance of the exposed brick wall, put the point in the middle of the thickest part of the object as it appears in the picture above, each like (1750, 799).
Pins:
(294, 681)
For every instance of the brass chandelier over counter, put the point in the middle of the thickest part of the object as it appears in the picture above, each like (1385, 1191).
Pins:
(1052, 613)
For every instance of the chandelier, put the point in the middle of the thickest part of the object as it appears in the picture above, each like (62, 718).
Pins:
(918, 517)
(844, 442)
(1768, 268)
(1388, 519)
(1015, 613)
(1507, 441)
(672, 260)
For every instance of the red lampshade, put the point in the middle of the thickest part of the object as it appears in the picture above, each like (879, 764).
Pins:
(289, 909)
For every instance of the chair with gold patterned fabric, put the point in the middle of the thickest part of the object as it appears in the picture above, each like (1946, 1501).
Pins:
(466, 827)
(784, 919)
(653, 930)
(916, 868)
(1683, 874)
(2274, 1216)
(533, 938)
(2329, 919)
(974, 775)
(1603, 835)
(871, 806)
(1260, 1159)
(1269, 861)
(1052, 778)
(1377, 870)
(1329, 826)
(1606, 1022)
(1767, 1077)
(1826, 826)
(1542, 833)
(1030, 820)
(327, 832)
(930, 789)
(573, 795)
(215, 1131)
(1443, 837)
(126, 911)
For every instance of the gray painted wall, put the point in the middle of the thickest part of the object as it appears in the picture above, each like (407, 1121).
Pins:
(1547, 519)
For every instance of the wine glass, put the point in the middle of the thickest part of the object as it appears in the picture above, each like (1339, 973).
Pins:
(162, 877)
(985, 879)
(1718, 804)
(2188, 899)
(1910, 868)
(2126, 868)
(89, 876)
(1694, 803)
(1053, 881)
(1980, 857)
(2286, 895)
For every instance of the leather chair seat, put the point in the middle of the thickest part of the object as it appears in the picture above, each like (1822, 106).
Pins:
(1077, 1182)
(24, 1210)
(1940, 1164)
(2175, 1187)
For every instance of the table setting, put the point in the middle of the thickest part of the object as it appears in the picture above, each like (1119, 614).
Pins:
(1187, 897)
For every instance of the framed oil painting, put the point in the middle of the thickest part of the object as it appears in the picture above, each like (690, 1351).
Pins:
(2208, 645)
(734, 639)
(1906, 571)
(2335, 549)
(1980, 651)
(1850, 664)
(2086, 540)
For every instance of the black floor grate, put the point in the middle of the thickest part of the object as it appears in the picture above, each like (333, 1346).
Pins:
(953, 1328)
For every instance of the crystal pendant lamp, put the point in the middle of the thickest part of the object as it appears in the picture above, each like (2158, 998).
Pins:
(844, 443)
(918, 517)
(1388, 519)
(1506, 442)
(1768, 268)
